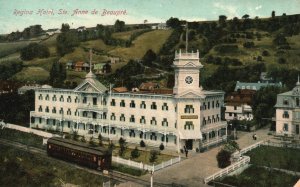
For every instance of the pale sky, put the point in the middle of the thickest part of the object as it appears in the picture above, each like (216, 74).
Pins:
(136, 11)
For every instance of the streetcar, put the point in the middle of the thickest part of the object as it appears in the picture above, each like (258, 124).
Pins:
(80, 153)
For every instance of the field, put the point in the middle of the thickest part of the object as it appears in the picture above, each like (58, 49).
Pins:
(125, 35)
(21, 168)
(150, 40)
(257, 176)
(32, 74)
(276, 157)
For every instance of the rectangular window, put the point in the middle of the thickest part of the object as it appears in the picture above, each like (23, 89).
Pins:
(153, 106)
(40, 120)
(143, 120)
(113, 117)
(54, 98)
(143, 105)
(40, 97)
(84, 100)
(54, 110)
(285, 114)
(165, 107)
(164, 123)
(189, 109)
(69, 99)
(69, 124)
(132, 104)
(132, 119)
(153, 121)
(40, 109)
(69, 112)
(235, 108)
(213, 104)
(285, 127)
(103, 102)
(122, 117)
(61, 111)
(94, 100)
(47, 109)
(208, 105)
(76, 100)
(94, 115)
(61, 99)
(113, 102)
(122, 103)
(47, 97)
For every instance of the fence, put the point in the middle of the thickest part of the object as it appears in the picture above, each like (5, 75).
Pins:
(141, 165)
(282, 144)
(245, 160)
(249, 148)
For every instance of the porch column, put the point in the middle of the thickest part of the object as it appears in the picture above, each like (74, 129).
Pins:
(178, 147)
(207, 137)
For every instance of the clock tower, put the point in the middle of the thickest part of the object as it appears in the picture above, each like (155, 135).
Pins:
(187, 66)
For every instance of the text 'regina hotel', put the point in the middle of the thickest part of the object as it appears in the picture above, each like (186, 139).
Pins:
(190, 116)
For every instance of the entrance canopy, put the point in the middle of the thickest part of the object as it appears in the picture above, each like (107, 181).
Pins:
(190, 134)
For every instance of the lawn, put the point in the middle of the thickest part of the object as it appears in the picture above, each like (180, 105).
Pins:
(22, 168)
(257, 176)
(8, 48)
(150, 40)
(276, 157)
(22, 137)
(75, 76)
(125, 35)
(32, 74)
(45, 63)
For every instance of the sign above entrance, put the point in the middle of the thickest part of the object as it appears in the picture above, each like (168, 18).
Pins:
(189, 117)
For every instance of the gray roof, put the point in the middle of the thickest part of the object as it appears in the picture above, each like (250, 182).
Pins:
(90, 78)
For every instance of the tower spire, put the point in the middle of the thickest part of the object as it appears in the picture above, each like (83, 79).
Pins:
(91, 60)
(298, 83)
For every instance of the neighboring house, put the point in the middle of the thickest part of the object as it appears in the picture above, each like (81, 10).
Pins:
(79, 66)
(9, 86)
(238, 105)
(264, 78)
(185, 116)
(85, 67)
(50, 32)
(70, 65)
(254, 86)
(102, 68)
(82, 28)
(288, 112)
(24, 89)
(114, 60)
(148, 86)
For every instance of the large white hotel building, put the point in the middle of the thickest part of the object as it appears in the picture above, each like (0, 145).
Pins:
(189, 117)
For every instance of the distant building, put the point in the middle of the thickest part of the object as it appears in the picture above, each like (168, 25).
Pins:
(114, 60)
(264, 78)
(253, 85)
(160, 26)
(50, 32)
(102, 68)
(70, 65)
(24, 89)
(238, 105)
(82, 28)
(288, 112)
(120, 90)
(82, 66)
(9, 86)
(148, 86)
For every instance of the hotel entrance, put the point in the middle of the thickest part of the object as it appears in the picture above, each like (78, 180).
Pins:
(189, 144)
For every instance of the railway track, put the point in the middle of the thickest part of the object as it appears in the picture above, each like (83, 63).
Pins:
(112, 175)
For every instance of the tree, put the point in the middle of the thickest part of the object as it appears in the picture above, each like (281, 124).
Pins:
(135, 153)
(153, 155)
(57, 75)
(34, 50)
(273, 14)
(173, 23)
(246, 16)
(142, 143)
(223, 158)
(65, 27)
(222, 21)
(161, 147)
(149, 57)
(119, 26)
(65, 42)
(122, 144)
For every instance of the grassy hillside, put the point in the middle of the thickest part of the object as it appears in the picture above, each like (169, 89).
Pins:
(125, 35)
(32, 74)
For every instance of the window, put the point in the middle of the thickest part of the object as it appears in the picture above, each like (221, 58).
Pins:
(40, 109)
(285, 114)
(143, 120)
(132, 119)
(94, 100)
(285, 102)
(175, 125)
(112, 130)
(61, 111)
(54, 110)
(132, 104)
(84, 100)
(94, 115)
(113, 117)
(153, 106)
(104, 115)
(208, 105)
(84, 114)
(297, 102)
(131, 133)
(76, 100)
(230, 114)
(122, 117)
(69, 124)
(204, 121)
(163, 138)
(235, 107)
(40, 97)
(54, 98)
(122, 103)
(69, 112)
(189, 125)
(40, 120)
(103, 102)
(143, 105)
(285, 127)
(47, 121)
(164, 123)
(153, 136)
(113, 102)
(47, 109)
(213, 104)
(209, 120)
(76, 113)
(61, 99)
(204, 106)
(165, 106)
(218, 118)
(47, 97)
(217, 104)
(69, 99)
(188, 109)
(153, 121)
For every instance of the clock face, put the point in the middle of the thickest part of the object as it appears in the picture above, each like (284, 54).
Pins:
(189, 80)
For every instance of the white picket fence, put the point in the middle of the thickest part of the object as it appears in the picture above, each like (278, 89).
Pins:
(249, 148)
(141, 165)
(224, 172)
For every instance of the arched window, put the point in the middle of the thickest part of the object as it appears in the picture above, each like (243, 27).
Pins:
(297, 101)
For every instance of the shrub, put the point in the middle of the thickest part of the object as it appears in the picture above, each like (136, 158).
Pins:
(92, 142)
(161, 147)
(259, 58)
(265, 53)
(281, 61)
(142, 143)
(34, 50)
(223, 158)
(226, 48)
(68, 136)
(248, 44)
(153, 155)
(122, 143)
(135, 153)
(83, 139)
(75, 136)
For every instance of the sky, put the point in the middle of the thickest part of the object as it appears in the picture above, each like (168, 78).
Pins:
(19, 14)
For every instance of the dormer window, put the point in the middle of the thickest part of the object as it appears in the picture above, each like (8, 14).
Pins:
(285, 102)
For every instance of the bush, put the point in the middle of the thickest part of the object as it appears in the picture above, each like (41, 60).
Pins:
(135, 153)
(75, 136)
(34, 50)
(122, 143)
(226, 48)
(142, 143)
(281, 61)
(161, 147)
(83, 139)
(153, 155)
(265, 53)
(248, 44)
(223, 158)
(92, 142)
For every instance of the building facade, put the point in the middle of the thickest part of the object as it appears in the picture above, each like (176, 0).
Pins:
(288, 112)
(190, 116)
